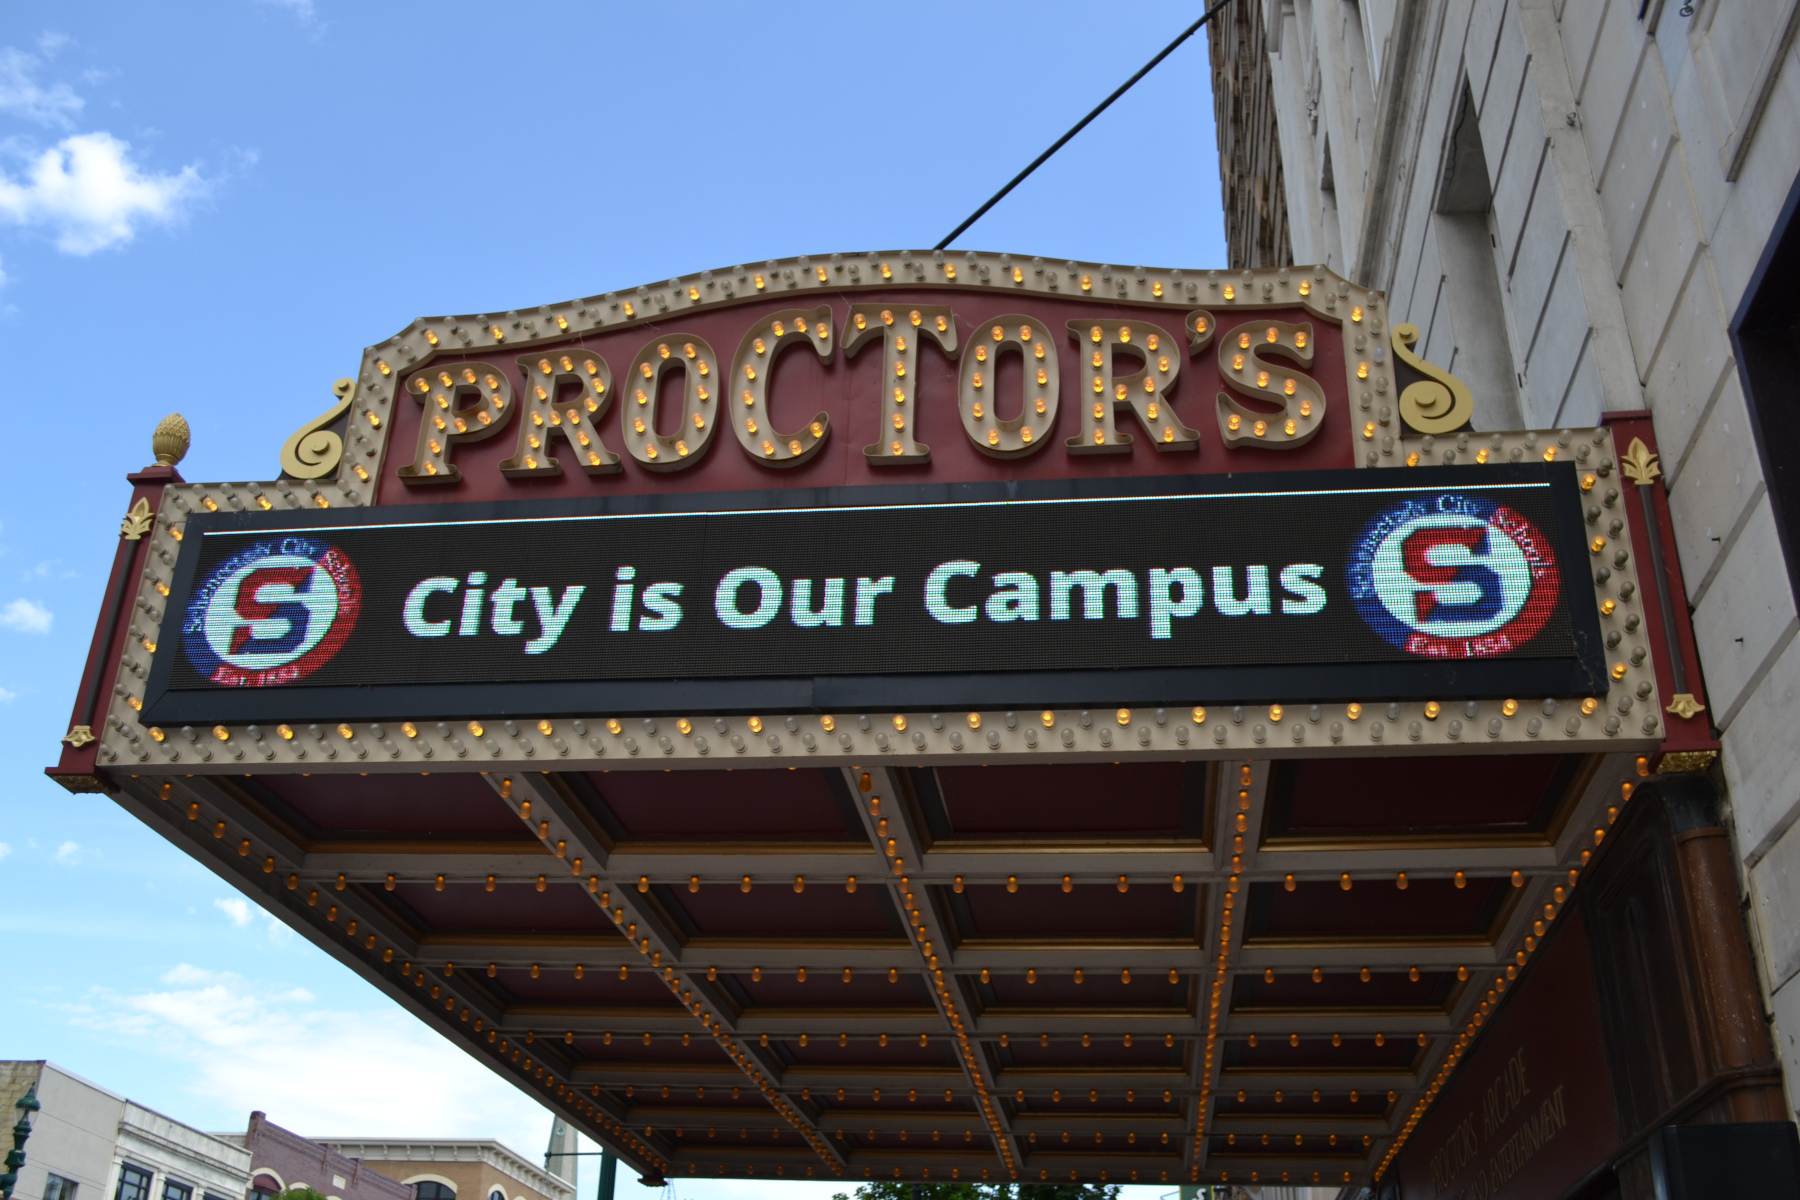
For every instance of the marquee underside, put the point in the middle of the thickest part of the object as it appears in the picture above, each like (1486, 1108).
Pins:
(674, 959)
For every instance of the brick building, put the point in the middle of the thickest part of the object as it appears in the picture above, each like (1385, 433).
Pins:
(448, 1169)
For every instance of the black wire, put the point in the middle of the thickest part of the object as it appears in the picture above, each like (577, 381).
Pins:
(1062, 141)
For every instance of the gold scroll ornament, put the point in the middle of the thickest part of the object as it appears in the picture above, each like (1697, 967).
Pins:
(315, 451)
(1439, 403)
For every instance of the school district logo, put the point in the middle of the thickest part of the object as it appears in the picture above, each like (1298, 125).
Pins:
(275, 612)
(1454, 576)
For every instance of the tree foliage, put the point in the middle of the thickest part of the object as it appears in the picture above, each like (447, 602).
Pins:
(894, 1189)
(301, 1193)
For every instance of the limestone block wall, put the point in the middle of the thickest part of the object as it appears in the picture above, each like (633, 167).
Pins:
(1570, 198)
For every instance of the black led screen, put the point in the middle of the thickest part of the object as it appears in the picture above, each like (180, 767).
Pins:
(1444, 582)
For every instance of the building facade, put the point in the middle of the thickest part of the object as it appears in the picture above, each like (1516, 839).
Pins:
(1586, 209)
(281, 1159)
(89, 1144)
(444, 1169)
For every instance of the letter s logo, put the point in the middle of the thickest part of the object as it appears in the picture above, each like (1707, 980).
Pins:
(1453, 576)
(1457, 586)
(272, 613)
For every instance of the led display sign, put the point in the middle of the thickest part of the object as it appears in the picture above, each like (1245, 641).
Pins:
(1448, 582)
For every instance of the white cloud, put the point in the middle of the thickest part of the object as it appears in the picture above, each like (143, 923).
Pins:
(7, 696)
(5, 849)
(88, 190)
(22, 96)
(231, 1036)
(25, 616)
(68, 852)
(237, 908)
(302, 10)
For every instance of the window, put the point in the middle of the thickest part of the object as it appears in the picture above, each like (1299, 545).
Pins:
(1763, 334)
(1472, 343)
(58, 1188)
(134, 1183)
(177, 1191)
(428, 1189)
(496, 1194)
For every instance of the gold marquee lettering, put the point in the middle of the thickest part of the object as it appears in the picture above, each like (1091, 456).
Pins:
(568, 390)
(748, 404)
(900, 328)
(1247, 363)
(463, 402)
(638, 411)
(1144, 394)
(566, 393)
(977, 387)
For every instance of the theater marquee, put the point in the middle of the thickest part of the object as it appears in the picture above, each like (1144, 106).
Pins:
(1184, 710)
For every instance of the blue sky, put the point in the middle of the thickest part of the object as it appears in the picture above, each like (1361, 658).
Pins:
(211, 207)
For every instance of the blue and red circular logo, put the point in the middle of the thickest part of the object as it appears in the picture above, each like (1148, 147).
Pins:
(273, 613)
(1454, 576)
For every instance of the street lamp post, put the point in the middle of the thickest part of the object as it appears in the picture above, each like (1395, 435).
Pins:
(15, 1158)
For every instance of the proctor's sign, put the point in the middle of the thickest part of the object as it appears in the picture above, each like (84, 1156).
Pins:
(1449, 581)
(873, 369)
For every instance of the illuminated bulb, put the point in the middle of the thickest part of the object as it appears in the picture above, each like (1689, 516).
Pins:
(1262, 379)
(1356, 313)
(1237, 362)
(1362, 370)
(1233, 422)
(1230, 292)
(1260, 428)
(1289, 427)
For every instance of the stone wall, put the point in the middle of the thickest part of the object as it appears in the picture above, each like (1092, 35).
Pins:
(1569, 198)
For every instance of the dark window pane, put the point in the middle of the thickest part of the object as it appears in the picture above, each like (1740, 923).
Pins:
(134, 1183)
